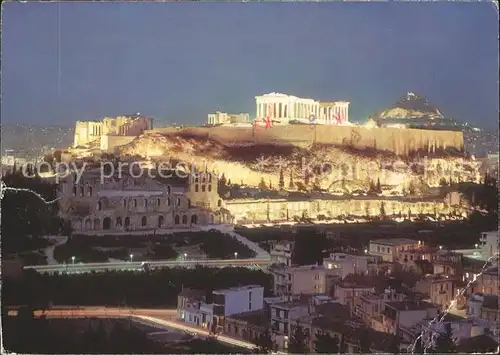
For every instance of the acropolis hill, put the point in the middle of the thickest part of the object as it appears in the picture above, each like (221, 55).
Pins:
(320, 136)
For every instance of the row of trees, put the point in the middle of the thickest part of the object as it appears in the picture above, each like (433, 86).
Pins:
(155, 288)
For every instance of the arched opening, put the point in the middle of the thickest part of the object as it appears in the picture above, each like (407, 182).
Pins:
(124, 203)
(161, 220)
(219, 203)
(118, 221)
(178, 201)
(158, 202)
(74, 190)
(177, 219)
(184, 219)
(194, 219)
(209, 188)
(99, 205)
(168, 201)
(97, 224)
(106, 223)
(169, 189)
(195, 188)
(82, 191)
(89, 191)
(145, 202)
(211, 219)
(209, 177)
(135, 203)
(144, 221)
(203, 188)
(88, 224)
(189, 203)
(78, 225)
(127, 222)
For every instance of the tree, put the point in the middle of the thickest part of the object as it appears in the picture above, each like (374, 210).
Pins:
(378, 187)
(262, 184)
(290, 183)
(382, 210)
(282, 180)
(342, 345)
(443, 182)
(306, 178)
(325, 343)
(365, 342)
(418, 348)
(265, 343)
(298, 341)
(444, 342)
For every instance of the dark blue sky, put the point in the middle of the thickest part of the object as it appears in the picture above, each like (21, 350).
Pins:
(181, 61)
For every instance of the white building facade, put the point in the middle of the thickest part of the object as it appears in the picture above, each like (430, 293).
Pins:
(287, 107)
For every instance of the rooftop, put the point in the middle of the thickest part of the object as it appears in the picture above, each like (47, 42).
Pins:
(237, 289)
(394, 241)
(410, 305)
(304, 301)
(258, 318)
(193, 294)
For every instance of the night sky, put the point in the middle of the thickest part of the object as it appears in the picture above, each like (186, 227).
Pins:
(181, 61)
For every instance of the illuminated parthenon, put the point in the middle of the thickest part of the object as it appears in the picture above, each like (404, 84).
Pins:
(287, 107)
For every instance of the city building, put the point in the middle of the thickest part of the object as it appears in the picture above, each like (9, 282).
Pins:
(222, 118)
(489, 243)
(342, 264)
(296, 280)
(390, 249)
(247, 326)
(236, 300)
(281, 253)
(403, 315)
(284, 315)
(369, 306)
(286, 108)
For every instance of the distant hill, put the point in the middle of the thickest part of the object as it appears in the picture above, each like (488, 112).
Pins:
(31, 139)
(410, 106)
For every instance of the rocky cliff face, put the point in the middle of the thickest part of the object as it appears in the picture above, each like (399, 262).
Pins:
(411, 106)
(326, 167)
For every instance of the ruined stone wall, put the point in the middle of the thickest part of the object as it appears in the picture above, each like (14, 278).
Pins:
(396, 140)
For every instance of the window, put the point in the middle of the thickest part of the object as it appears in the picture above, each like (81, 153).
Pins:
(89, 191)
(82, 191)
(74, 190)
(135, 203)
(169, 189)
(145, 202)
(202, 188)
(144, 221)
(250, 296)
(209, 188)
(158, 202)
(178, 201)
(195, 188)
(168, 201)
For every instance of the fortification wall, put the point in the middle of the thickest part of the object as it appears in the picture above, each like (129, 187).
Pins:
(396, 140)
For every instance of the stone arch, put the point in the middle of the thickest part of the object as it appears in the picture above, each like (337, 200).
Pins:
(161, 221)
(97, 224)
(127, 222)
(78, 224)
(144, 221)
(184, 219)
(88, 224)
(177, 219)
(106, 223)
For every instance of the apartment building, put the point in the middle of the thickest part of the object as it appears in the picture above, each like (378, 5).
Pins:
(296, 280)
(341, 264)
(489, 242)
(448, 263)
(236, 300)
(488, 282)
(404, 315)
(283, 315)
(390, 249)
(281, 253)
(247, 326)
(370, 306)
(443, 290)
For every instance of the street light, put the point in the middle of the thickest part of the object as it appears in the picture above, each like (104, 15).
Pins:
(131, 257)
(366, 251)
(476, 245)
(236, 255)
(185, 256)
(73, 260)
(440, 247)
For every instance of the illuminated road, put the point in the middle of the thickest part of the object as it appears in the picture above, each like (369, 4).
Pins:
(158, 318)
(137, 265)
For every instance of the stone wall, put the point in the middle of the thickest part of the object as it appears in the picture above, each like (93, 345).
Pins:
(395, 140)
